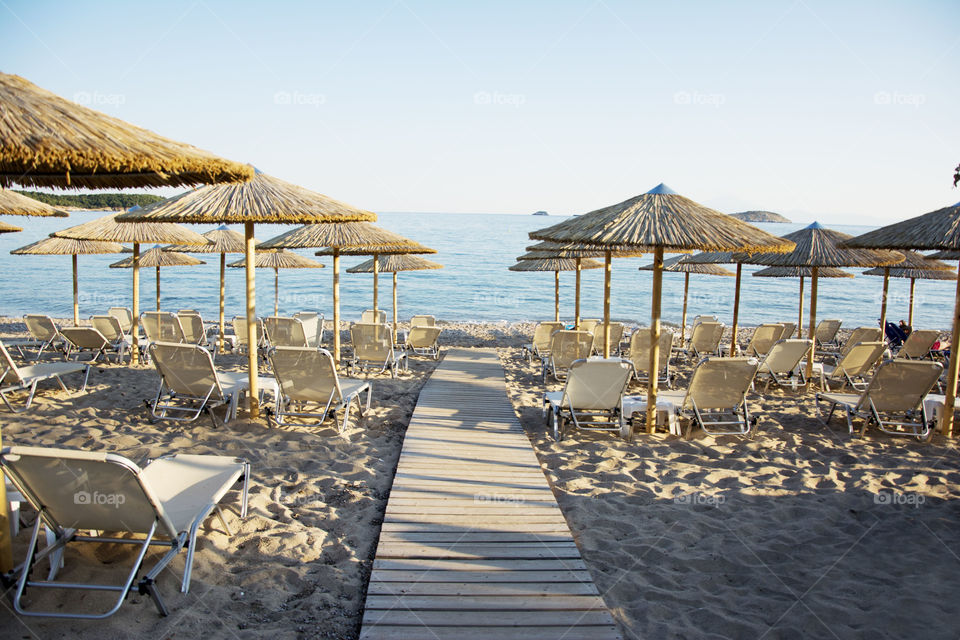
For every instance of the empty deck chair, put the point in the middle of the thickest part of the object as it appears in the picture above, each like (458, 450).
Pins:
(918, 344)
(311, 388)
(539, 348)
(27, 378)
(705, 340)
(190, 385)
(853, 368)
(312, 327)
(164, 503)
(367, 317)
(566, 347)
(826, 333)
(124, 316)
(592, 398)
(285, 332)
(373, 347)
(162, 326)
(424, 340)
(640, 355)
(789, 330)
(43, 330)
(423, 321)
(782, 363)
(763, 338)
(898, 387)
(616, 336)
(86, 340)
(111, 329)
(858, 335)
(194, 332)
(240, 330)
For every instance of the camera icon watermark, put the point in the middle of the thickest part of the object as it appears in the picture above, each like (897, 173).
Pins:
(98, 99)
(96, 498)
(900, 498)
(498, 498)
(497, 300)
(499, 99)
(697, 98)
(297, 98)
(700, 499)
(898, 98)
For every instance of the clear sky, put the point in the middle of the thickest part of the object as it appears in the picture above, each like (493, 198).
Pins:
(844, 112)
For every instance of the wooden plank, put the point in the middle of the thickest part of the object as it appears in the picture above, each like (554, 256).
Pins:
(473, 536)
(439, 582)
(499, 603)
(432, 565)
(479, 551)
(580, 632)
(514, 527)
(486, 618)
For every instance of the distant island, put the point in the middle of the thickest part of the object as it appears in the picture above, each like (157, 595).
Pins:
(759, 216)
(541, 213)
(94, 201)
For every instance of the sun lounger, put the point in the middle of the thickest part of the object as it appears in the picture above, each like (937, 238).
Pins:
(367, 317)
(858, 335)
(789, 330)
(616, 335)
(566, 347)
(312, 327)
(826, 333)
(86, 340)
(311, 388)
(16, 378)
(763, 338)
(162, 326)
(918, 344)
(373, 347)
(111, 329)
(164, 503)
(190, 385)
(640, 355)
(592, 398)
(124, 316)
(44, 330)
(587, 324)
(240, 330)
(540, 347)
(285, 332)
(853, 368)
(423, 321)
(194, 332)
(424, 340)
(705, 340)
(898, 387)
(782, 363)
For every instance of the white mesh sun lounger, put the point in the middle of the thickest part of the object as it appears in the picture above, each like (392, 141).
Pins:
(782, 363)
(566, 347)
(640, 355)
(16, 378)
(826, 333)
(705, 339)
(112, 330)
(918, 344)
(539, 348)
(423, 321)
(763, 339)
(853, 367)
(616, 335)
(592, 398)
(373, 347)
(789, 330)
(164, 503)
(240, 330)
(311, 388)
(285, 332)
(82, 340)
(424, 340)
(367, 317)
(858, 335)
(312, 327)
(898, 387)
(124, 316)
(162, 326)
(44, 330)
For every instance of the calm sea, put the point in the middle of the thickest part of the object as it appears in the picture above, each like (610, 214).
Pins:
(476, 250)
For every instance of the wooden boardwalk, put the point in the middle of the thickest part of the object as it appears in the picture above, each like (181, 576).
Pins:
(473, 543)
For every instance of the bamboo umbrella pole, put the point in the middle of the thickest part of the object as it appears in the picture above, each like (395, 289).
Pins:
(6, 544)
(253, 395)
(607, 268)
(376, 273)
(683, 318)
(394, 307)
(576, 312)
(800, 316)
(736, 312)
(158, 288)
(654, 340)
(336, 307)
(276, 291)
(950, 396)
(223, 292)
(813, 321)
(76, 294)
(883, 300)
(135, 325)
(913, 284)
(556, 296)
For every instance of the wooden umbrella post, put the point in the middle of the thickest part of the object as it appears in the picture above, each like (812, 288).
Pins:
(223, 295)
(654, 370)
(683, 318)
(736, 312)
(135, 325)
(813, 322)
(913, 284)
(253, 394)
(883, 300)
(607, 268)
(376, 273)
(76, 294)
(950, 396)
(556, 296)
(276, 291)
(576, 311)
(800, 316)
(394, 307)
(6, 544)
(158, 288)
(336, 307)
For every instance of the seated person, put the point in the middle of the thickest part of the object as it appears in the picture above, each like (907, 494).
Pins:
(905, 327)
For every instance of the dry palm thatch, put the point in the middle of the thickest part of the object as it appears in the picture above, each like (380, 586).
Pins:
(679, 264)
(395, 263)
(279, 260)
(915, 266)
(349, 235)
(263, 199)
(573, 250)
(159, 257)
(946, 254)
(9, 228)
(219, 240)
(48, 141)
(817, 246)
(17, 204)
(553, 264)
(107, 229)
(802, 272)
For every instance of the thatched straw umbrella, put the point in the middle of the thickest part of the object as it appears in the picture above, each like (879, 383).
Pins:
(914, 266)
(69, 247)
(541, 261)
(938, 230)
(9, 228)
(47, 141)
(394, 264)
(665, 221)
(678, 264)
(16, 204)
(223, 241)
(277, 260)
(262, 200)
(349, 238)
(801, 272)
(159, 257)
(107, 229)
(817, 246)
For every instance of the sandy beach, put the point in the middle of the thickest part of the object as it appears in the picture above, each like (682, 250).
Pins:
(799, 532)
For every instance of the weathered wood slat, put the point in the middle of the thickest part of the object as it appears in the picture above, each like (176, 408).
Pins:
(482, 583)
(580, 632)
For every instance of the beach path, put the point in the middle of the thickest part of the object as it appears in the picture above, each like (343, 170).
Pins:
(473, 543)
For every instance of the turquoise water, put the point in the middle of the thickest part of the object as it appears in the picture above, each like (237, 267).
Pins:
(476, 250)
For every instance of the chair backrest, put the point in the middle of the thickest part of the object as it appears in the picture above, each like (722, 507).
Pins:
(785, 355)
(162, 326)
(918, 343)
(12, 374)
(861, 358)
(423, 337)
(900, 385)
(187, 369)
(367, 317)
(306, 374)
(789, 330)
(240, 329)
(588, 324)
(763, 338)
(596, 384)
(704, 318)
(616, 335)
(566, 347)
(187, 311)
(41, 327)
(706, 337)
(423, 321)
(84, 338)
(861, 334)
(827, 330)
(371, 342)
(285, 332)
(312, 326)
(192, 325)
(124, 316)
(720, 383)
(109, 326)
(86, 489)
(640, 349)
(543, 332)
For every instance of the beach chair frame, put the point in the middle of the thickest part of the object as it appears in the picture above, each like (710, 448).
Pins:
(771, 369)
(640, 356)
(852, 369)
(124, 316)
(285, 332)
(705, 340)
(373, 347)
(28, 377)
(80, 340)
(918, 344)
(763, 339)
(566, 347)
(44, 331)
(424, 340)
(185, 400)
(423, 321)
(539, 346)
(616, 337)
(112, 330)
(312, 327)
(592, 397)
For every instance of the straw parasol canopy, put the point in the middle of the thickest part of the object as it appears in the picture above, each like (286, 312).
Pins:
(263, 199)
(915, 267)
(664, 221)
(17, 204)
(542, 261)
(801, 272)
(947, 254)
(48, 141)
(276, 260)
(394, 264)
(159, 257)
(53, 245)
(9, 228)
(221, 240)
(678, 264)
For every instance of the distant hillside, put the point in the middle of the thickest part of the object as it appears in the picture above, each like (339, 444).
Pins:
(759, 216)
(94, 201)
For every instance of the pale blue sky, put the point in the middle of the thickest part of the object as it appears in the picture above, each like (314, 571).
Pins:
(840, 111)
